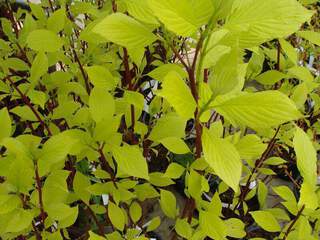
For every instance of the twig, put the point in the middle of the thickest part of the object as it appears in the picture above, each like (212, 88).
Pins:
(39, 188)
(293, 223)
(95, 219)
(29, 104)
(177, 54)
(258, 164)
(84, 75)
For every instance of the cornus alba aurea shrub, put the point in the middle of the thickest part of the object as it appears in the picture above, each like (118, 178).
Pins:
(159, 119)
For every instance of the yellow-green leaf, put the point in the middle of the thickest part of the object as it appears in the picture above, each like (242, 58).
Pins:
(308, 196)
(306, 156)
(131, 161)
(177, 15)
(266, 220)
(177, 93)
(168, 203)
(140, 10)
(43, 40)
(5, 123)
(116, 216)
(101, 104)
(125, 31)
(313, 37)
(175, 145)
(223, 157)
(135, 211)
(253, 22)
(257, 110)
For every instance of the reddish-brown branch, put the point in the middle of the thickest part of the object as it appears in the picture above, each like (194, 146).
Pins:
(293, 223)
(258, 164)
(106, 167)
(114, 6)
(36, 231)
(12, 19)
(127, 73)
(39, 188)
(127, 81)
(26, 100)
(84, 75)
(178, 55)
(278, 56)
(95, 219)
(206, 75)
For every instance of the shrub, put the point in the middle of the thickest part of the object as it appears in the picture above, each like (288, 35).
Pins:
(110, 108)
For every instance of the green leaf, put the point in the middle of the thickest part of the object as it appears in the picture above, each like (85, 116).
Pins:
(168, 203)
(262, 193)
(302, 73)
(270, 77)
(222, 8)
(266, 220)
(183, 228)
(135, 211)
(177, 93)
(16, 147)
(215, 54)
(159, 179)
(101, 104)
(306, 156)
(313, 37)
(235, 228)
(116, 216)
(177, 15)
(25, 113)
(93, 236)
(175, 145)
(223, 157)
(229, 75)
(21, 219)
(39, 67)
(194, 184)
(161, 71)
(55, 189)
(257, 21)
(15, 63)
(170, 125)
(308, 196)
(20, 175)
(101, 77)
(55, 150)
(9, 202)
(140, 10)
(44, 41)
(153, 224)
(174, 171)
(275, 161)
(203, 11)
(38, 98)
(63, 213)
(125, 31)
(182, 17)
(212, 225)
(57, 21)
(257, 110)
(80, 184)
(250, 147)
(285, 193)
(131, 161)
(5, 123)
(289, 50)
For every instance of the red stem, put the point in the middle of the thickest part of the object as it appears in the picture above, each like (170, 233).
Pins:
(29, 104)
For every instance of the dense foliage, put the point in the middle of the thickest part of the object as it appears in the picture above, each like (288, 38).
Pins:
(110, 109)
